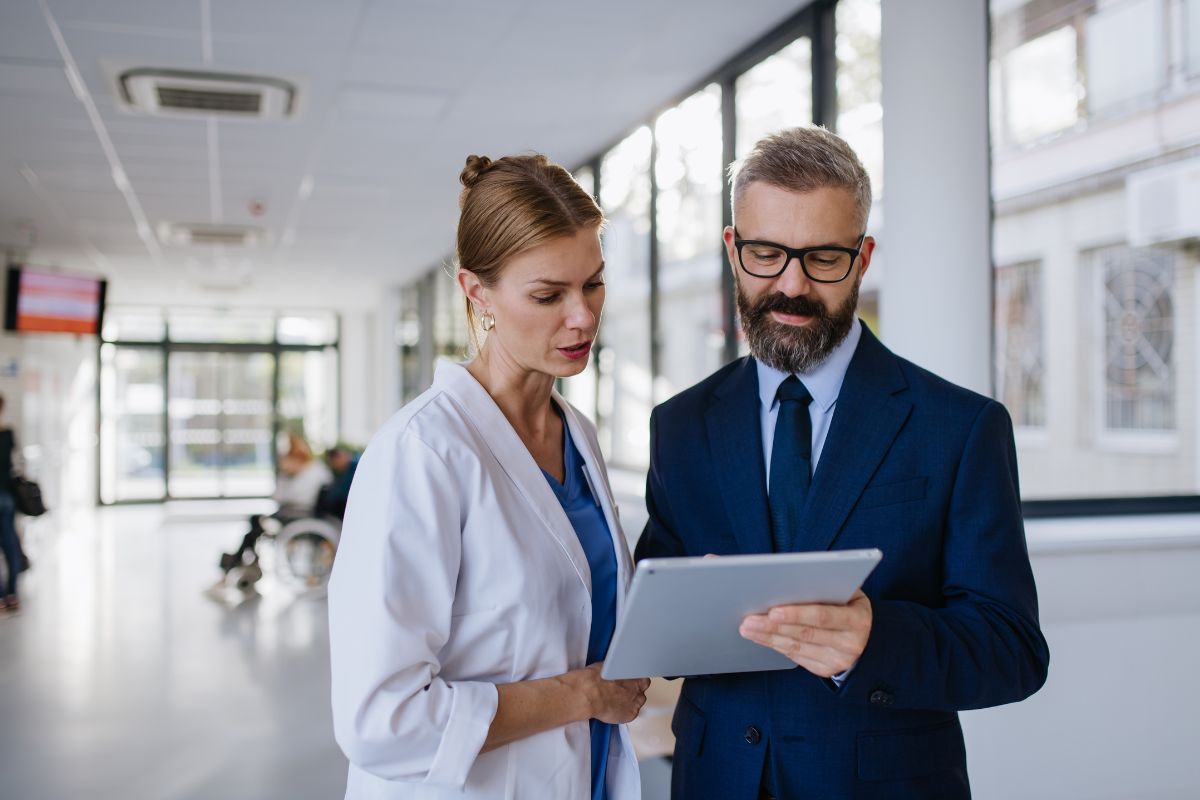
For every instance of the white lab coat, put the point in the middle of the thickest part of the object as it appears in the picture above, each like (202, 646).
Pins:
(458, 570)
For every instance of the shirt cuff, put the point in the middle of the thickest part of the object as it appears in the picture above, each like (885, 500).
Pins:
(841, 677)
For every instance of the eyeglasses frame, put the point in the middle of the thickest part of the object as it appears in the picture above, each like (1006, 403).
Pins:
(798, 254)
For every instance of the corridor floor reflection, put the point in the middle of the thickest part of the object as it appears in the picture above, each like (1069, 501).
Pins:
(123, 676)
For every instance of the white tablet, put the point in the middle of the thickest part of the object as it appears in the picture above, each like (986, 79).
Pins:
(682, 614)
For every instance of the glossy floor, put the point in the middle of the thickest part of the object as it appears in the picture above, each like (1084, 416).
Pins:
(124, 676)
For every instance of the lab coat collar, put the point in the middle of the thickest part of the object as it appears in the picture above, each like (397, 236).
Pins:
(517, 462)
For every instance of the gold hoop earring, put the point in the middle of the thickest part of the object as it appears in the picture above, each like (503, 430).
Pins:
(487, 321)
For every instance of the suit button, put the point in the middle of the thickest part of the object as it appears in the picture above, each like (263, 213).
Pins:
(752, 735)
(881, 698)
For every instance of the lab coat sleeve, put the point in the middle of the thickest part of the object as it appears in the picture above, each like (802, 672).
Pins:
(390, 601)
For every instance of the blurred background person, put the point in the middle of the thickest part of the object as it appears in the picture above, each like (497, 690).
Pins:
(14, 558)
(342, 461)
(299, 483)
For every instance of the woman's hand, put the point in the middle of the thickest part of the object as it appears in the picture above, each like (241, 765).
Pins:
(610, 701)
(528, 707)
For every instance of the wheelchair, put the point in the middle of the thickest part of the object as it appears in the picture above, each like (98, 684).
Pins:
(302, 552)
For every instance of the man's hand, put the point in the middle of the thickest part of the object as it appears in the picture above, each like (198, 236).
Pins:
(826, 640)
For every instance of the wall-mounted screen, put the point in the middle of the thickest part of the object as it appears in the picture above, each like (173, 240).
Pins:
(40, 301)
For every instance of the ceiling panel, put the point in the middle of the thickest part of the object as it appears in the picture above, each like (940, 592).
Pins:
(135, 13)
(24, 33)
(393, 96)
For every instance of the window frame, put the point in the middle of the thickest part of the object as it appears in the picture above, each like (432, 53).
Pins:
(167, 346)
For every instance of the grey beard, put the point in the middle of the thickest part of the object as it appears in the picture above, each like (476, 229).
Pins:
(789, 349)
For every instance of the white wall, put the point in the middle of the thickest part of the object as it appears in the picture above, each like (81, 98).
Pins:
(1118, 718)
(936, 295)
(370, 368)
(49, 385)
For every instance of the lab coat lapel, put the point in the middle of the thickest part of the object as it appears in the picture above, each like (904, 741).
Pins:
(597, 477)
(515, 460)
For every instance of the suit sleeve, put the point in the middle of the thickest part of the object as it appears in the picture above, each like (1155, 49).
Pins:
(390, 602)
(658, 539)
(983, 647)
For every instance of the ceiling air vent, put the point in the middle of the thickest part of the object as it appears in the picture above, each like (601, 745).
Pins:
(182, 233)
(177, 91)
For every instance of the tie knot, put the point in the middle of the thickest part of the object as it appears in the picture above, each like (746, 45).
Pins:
(793, 389)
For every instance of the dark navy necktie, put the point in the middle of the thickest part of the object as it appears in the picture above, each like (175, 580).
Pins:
(791, 463)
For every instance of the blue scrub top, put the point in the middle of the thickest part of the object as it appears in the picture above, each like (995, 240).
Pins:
(575, 496)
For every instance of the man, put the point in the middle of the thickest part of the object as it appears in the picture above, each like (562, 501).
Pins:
(824, 439)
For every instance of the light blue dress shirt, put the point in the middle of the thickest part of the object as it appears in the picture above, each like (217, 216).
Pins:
(824, 384)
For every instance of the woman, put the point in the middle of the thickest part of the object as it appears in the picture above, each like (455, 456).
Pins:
(482, 566)
(297, 487)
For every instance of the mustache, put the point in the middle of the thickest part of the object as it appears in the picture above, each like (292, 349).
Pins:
(800, 306)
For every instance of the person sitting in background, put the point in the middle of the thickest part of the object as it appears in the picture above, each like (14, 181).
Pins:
(301, 477)
(342, 461)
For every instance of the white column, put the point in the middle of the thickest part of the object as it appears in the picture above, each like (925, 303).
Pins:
(935, 303)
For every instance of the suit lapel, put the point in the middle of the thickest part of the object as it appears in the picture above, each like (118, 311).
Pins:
(734, 429)
(515, 460)
(870, 412)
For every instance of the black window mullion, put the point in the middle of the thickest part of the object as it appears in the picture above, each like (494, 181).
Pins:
(728, 154)
(824, 65)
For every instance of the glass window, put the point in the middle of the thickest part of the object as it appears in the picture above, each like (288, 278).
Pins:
(691, 254)
(203, 325)
(451, 338)
(408, 340)
(1019, 345)
(859, 87)
(308, 395)
(1096, 338)
(307, 327)
(133, 325)
(221, 424)
(860, 123)
(1135, 30)
(132, 435)
(1040, 87)
(625, 387)
(1139, 337)
(773, 94)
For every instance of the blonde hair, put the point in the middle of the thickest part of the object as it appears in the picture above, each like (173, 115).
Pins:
(803, 159)
(511, 205)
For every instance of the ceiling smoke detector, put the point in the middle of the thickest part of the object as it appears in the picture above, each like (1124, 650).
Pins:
(179, 91)
(200, 233)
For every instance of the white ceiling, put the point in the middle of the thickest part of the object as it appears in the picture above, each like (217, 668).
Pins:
(394, 95)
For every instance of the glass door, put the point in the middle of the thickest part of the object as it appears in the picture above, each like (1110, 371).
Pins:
(132, 437)
(220, 411)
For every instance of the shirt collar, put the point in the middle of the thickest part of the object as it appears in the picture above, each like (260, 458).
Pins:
(824, 382)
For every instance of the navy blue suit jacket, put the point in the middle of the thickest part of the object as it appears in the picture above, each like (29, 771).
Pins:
(925, 471)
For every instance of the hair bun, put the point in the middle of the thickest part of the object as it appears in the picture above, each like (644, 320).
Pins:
(475, 169)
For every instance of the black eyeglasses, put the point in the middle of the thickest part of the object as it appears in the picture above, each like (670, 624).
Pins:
(824, 264)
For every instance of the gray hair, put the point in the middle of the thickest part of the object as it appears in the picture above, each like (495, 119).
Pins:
(803, 159)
